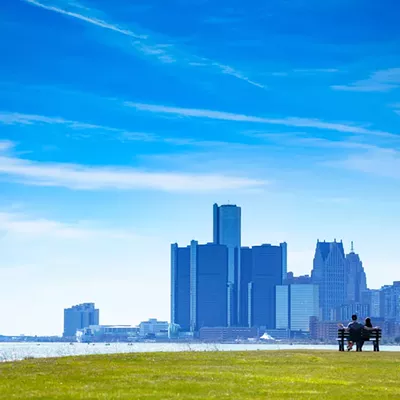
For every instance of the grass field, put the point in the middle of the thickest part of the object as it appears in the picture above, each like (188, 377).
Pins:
(206, 375)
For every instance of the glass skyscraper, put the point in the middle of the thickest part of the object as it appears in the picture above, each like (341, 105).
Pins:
(295, 305)
(227, 231)
(180, 286)
(199, 277)
(329, 273)
(79, 317)
(355, 277)
(262, 270)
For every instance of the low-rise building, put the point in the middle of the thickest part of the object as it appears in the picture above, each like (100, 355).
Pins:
(227, 334)
(107, 333)
(153, 328)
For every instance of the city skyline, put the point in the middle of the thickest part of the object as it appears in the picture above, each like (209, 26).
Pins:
(120, 126)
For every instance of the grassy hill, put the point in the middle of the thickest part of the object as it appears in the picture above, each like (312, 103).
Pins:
(206, 375)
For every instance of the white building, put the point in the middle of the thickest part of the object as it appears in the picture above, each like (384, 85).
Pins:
(153, 327)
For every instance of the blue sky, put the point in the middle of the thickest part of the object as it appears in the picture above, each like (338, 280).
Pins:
(121, 123)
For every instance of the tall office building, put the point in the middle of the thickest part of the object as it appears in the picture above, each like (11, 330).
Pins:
(227, 231)
(208, 285)
(246, 263)
(180, 286)
(295, 305)
(262, 271)
(329, 273)
(390, 302)
(79, 317)
(355, 276)
(199, 277)
(372, 297)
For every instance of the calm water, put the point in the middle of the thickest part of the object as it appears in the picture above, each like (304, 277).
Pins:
(19, 351)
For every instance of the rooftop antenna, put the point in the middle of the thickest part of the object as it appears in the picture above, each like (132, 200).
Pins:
(352, 247)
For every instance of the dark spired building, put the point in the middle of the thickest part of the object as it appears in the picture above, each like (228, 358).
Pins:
(199, 286)
(262, 270)
(329, 272)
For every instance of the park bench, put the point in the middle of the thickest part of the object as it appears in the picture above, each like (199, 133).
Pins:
(365, 335)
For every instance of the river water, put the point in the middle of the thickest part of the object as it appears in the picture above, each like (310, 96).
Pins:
(20, 351)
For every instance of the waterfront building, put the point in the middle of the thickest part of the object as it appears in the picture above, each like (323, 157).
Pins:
(180, 286)
(199, 286)
(227, 231)
(153, 328)
(79, 317)
(262, 268)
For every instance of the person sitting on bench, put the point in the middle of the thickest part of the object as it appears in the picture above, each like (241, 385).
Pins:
(355, 333)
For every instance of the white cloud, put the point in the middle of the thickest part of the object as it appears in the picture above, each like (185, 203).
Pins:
(20, 224)
(6, 145)
(94, 21)
(379, 81)
(83, 177)
(8, 118)
(144, 44)
(289, 121)
(317, 70)
(225, 69)
(378, 161)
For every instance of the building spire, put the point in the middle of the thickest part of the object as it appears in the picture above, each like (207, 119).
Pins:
(352, 246)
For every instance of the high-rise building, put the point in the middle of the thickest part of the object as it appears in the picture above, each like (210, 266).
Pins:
(180, 286)
(390, 302)
(79, 317)
(295, 305)
(355, 277)
(246, 264)
(227, 231)
(372, 297)
(208, 285)
(199, 286)
(329, 273)
(362, 310)
(264, 265)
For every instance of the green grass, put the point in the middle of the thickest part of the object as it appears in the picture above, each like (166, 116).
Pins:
(206, 375)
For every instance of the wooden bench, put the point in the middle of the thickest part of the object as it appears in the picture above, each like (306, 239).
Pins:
(374, 336)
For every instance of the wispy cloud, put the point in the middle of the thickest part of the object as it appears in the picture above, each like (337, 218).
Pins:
(379, 81)
(225, 69)
(94, 21)
(21, 224)
(6, 145)
(32, 119)
(144, 44)
(316, 70)
(83, 177)
(378, 162)
(290, 121)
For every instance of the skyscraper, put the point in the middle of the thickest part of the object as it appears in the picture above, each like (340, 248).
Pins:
(79, 317)
(227, 231)
(295, 305)
(199, 277)
(355, 277)
(329, 273)
(180, 286)
(208, 285)
(262, 272)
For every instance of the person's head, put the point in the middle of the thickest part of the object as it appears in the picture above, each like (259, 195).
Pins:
(368, 322)
(354, 317)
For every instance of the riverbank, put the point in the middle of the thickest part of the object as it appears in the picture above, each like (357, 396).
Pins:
(206, 375)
